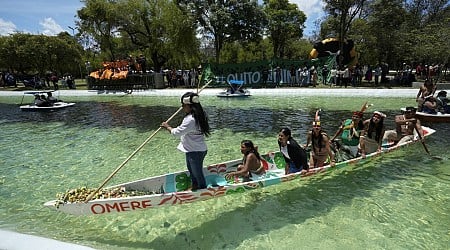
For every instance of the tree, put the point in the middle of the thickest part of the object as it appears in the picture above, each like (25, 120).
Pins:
(365, 42)
(342, 13)
(161, 29)
(98, 19)
(385, 22)
(428, 36)
(155, 28)
(226, 21)
(36, 54)
(285, 24)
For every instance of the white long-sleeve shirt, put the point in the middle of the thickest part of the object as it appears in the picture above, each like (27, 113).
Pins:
(192, 139)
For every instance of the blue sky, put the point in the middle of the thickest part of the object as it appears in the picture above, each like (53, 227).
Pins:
(50, 17)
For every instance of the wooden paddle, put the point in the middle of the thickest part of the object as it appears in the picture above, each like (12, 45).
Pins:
(137, 150)
(421, 140)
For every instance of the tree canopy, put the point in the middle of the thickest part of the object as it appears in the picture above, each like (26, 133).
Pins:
(185, 33)
(37, 54)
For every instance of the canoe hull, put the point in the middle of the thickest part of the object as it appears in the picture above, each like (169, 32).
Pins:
(424, 117)
(56, 106)
(236, 94)
(167, 190)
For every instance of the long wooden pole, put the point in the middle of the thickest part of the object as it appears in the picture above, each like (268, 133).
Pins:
(421, 139)
(137, 150)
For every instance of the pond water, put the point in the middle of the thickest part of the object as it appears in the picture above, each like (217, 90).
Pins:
(398, 201)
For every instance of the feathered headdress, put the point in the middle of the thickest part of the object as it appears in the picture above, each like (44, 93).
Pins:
(316, 121)
(364, 107)
(380, 114)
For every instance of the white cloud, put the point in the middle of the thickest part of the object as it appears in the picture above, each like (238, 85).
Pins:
(313, 10)
(310, 7)
(6, 27)
(50, 27)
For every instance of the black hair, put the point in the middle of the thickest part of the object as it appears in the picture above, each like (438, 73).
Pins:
(249, 144)
(201, 119)
(286, 132)
(377, 128)
(413, 109)
(319, 139)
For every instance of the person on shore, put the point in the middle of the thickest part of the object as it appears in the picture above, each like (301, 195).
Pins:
(320, 145)
(349, 131)
(372, 136)
(192, 132)
(405, 126)
(54, 78)
(265, 76)
(294, 155)
(251, 162)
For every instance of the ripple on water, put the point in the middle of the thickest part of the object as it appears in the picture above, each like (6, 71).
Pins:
(398, 201)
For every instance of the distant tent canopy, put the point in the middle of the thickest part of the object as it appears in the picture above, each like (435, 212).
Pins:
(330, 46)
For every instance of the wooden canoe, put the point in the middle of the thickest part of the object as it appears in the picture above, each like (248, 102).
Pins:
(432, 118)
(167, 190)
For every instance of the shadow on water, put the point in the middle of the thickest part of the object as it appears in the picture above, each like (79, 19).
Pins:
(146, 118)
(317, 196)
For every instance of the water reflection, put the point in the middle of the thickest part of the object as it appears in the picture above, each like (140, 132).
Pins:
(83, 144)
(237, 118)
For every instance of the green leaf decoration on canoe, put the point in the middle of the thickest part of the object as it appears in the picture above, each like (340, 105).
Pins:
(236, 191)
(279, 160)
(182, 182)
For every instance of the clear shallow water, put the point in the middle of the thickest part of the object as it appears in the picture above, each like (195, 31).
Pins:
(397, 202)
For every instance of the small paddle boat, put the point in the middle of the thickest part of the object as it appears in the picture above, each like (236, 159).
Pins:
(44, 101)
(236, 89)
(431, 118)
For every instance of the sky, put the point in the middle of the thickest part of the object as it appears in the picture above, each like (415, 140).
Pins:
(50, 17)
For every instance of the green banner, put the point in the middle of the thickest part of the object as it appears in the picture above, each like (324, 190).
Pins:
(275, 71)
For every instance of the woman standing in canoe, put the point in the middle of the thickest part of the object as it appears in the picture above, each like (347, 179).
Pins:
(192, 132)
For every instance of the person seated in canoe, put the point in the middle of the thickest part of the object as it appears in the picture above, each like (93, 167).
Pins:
(295, 156)
(320, 145)
(51, 99)
(251, 162)
(349, 132)
(442, 103)
(427, 89)
(372, 136)
(41, 101)
(429, 105)
(406, 124)
(235, 86)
